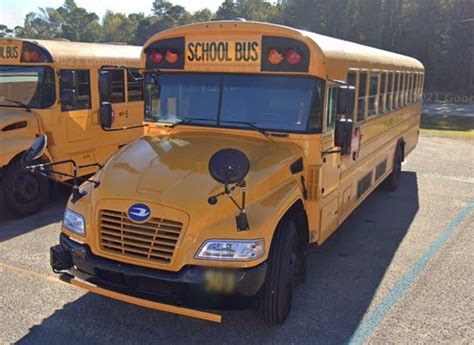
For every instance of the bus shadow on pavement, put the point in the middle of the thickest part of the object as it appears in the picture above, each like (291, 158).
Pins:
(52, 213)
(343, 276)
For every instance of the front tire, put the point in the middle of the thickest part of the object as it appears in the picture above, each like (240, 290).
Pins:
(24, 193)
(277, 291)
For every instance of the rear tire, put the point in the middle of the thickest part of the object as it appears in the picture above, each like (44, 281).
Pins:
(24, 193)
(277, 292)
(392, 182)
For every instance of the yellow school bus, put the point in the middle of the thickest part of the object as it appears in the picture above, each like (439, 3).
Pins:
(261, 140)
(52, 88)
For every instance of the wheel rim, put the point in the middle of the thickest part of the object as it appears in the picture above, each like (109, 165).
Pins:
(25, 188)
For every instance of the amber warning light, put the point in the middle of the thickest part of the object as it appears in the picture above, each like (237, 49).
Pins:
(32, 53)
(275, 57)
(169, 55)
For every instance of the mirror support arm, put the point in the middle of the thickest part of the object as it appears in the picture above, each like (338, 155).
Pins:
(123, 128)
(330, 152)
(76, 193)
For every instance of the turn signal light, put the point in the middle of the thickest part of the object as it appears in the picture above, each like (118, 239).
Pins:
(293, 57)
(171, 57)
(156, 57)
(274, 57)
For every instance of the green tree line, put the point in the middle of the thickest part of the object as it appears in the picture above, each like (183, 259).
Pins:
(440, 33)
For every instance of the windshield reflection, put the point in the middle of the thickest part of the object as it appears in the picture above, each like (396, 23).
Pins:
(280, 103)
(32, 86)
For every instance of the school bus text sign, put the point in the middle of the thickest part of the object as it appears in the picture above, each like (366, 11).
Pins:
(233, 54)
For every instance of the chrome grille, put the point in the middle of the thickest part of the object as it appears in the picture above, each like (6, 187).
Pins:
(154, 240)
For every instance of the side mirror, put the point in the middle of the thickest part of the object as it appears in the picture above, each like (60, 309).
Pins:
(106, 115)
(36, 150)
(68, 79)
(105, 85)
(229, 166)
(345, 100)
(343, 135)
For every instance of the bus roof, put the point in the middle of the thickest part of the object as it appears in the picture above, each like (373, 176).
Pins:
(337, 49)
(334, 51)
(65, 52)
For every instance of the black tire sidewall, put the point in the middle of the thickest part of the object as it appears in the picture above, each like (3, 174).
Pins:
(276, 298)
(392, 182)
(12, 204)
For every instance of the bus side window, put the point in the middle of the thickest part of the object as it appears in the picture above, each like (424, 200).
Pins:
(118, 85)
(134, 85)
(361, 96)
(75, 90)
(409, 88)
(352, 81)
(374, 81)
(389, 97)
(331, 108)
(382, 94)
(396, 91)
(417, 87)
(414, 87)
(403, 89)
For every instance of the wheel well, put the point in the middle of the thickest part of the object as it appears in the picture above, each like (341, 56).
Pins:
(297, 213)
(43, 159)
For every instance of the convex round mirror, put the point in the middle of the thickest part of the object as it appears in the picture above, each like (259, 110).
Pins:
(37, 149)
(229, 166)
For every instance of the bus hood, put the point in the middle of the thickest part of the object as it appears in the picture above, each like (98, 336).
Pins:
(10, 116)
(174, 171)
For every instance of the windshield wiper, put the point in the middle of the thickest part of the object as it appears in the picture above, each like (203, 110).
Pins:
(252, 125)
(21, 104)
(187, 120)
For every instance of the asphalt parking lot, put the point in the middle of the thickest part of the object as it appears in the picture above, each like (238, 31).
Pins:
(400, 270)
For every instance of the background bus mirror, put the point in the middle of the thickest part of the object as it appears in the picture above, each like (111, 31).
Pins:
(345, 100)
(68, 79)
(105, 85)
(68, 99)
(36, 150)
(343, 135)
(106, 115)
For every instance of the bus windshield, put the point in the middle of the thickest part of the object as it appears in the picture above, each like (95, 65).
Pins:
(32, 86)
(280, 103)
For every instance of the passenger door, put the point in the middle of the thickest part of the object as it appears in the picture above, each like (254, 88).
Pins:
(77, 129)
(76, 106)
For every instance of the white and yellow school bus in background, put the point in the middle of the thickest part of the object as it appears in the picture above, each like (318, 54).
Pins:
(52, 88)
(299, 128)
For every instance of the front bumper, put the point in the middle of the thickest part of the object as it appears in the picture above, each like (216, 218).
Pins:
(193, 286)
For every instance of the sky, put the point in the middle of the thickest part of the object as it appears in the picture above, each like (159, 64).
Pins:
(12, 12)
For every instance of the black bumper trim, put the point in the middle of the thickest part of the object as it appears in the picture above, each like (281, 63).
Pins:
(190, 286)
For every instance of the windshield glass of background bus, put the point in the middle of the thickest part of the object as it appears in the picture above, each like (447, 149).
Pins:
(33, 86)
(269, 102)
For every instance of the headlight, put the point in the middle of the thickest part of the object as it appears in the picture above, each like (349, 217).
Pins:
(231, 250)
(74, 222)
